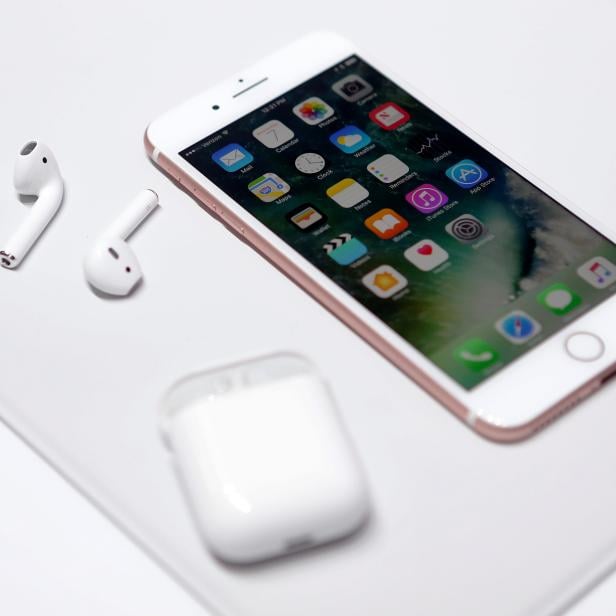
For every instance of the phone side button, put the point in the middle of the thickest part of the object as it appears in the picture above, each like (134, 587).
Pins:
(584, 346)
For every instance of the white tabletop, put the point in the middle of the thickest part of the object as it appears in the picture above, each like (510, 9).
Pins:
(536, 80)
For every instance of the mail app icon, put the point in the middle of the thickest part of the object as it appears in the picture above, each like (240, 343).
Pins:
(232, 157)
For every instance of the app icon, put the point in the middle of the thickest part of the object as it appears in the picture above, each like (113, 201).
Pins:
(350, 139)
(345, 249)
(518, 327)
(599, 272)
(384, 281)
(273, 133)
(352, 88)
(232, 157)
(269, 187)
(427, 198)
(309, 163)
(426, 255)
(428, 144)
(313, 110)
(559, 299)
(347, 192)
(389, 116)
(466, 228)
(476, 354)
(466, 173)
(387, 168)
(306, 217)
(386, 223)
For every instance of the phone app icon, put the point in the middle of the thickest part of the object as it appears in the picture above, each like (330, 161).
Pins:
(352, 87)
(598, 271)
(387, 168)
(466, 173)
(559, 299)
(518, 327)
(426, 255)
(350, 139)
(427, 198)
(466, 228)
(344, 249)
(476, 354)
(306, 217)
(386, 223)
(269, 187)
(273, 133)
(232, 157)
(389, 116)
(384, 281)
(313, 110)
(347, 193)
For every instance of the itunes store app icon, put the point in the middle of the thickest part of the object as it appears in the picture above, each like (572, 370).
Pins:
(426, 255)
(427, 198)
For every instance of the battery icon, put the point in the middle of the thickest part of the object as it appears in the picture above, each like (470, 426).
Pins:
(350, 61)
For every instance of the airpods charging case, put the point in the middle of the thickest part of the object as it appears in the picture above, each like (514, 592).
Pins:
(266, 465)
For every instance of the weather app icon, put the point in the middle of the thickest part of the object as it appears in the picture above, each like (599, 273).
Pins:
(350, 139)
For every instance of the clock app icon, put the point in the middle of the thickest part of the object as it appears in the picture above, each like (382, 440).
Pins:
(309, 163)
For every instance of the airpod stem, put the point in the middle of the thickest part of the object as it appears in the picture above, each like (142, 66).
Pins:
(134, 214)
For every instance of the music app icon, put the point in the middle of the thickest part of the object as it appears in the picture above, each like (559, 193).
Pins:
(427, 198)
(598, 271)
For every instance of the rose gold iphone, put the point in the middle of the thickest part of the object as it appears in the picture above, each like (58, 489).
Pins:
(473, 278)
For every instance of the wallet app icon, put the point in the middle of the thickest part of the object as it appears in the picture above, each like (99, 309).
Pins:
(232, 157)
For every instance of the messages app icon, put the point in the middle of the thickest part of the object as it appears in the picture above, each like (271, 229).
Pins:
(232, 157)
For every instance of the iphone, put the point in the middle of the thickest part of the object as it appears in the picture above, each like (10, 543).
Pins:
(472, 277)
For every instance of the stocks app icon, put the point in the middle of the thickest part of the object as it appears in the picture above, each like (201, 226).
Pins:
(466, 228)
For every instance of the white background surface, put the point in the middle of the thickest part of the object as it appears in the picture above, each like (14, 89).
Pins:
(534, 80)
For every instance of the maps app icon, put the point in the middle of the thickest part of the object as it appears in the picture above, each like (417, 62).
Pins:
(269, 187)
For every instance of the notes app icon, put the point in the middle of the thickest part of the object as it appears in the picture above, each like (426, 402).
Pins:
(347, 193)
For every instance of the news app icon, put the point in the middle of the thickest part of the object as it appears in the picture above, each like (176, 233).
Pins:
(427, 198)
(389, 116)
(598, 272)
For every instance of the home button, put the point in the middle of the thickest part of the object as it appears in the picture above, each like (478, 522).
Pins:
(584, 346)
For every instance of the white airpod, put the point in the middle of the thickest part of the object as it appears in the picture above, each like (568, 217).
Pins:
(36, 174)
(111, 266)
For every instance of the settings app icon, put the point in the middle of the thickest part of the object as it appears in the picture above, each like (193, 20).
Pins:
(466, 228)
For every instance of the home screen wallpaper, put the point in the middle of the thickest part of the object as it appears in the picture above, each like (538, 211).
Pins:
(469, 262)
